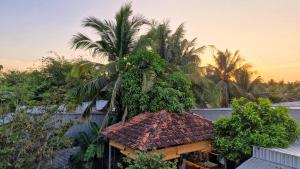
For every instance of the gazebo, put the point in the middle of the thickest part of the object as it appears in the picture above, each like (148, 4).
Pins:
(171, 134)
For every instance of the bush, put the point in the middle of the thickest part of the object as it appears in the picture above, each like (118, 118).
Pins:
(148, 161)
(251, 124)
(91, 149)
(29, 141)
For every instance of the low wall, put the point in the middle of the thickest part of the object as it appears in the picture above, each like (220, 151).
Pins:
(79, 125)
(214, 114)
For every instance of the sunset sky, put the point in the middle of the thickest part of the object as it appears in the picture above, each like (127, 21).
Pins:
(267, 32)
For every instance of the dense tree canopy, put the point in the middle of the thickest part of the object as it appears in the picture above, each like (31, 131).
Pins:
(251, 124)
(148, 86)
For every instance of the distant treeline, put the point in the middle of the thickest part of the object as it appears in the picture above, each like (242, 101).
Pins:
(60, 80)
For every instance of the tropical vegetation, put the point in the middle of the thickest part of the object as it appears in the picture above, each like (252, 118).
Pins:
(254, 123)
(148, 161)
(157, 68)
(29, 142)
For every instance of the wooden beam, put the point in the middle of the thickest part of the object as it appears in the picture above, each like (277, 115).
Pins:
(129, 153)
(170, 157)
(191, 164)
(170, 152)
(175, 152)
(116, 145)
(199, 146)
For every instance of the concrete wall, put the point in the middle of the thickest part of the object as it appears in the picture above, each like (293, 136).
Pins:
(79, 125)
(214, 114)
(84, 125)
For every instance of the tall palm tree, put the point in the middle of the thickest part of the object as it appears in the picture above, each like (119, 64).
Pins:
(246, 84)
(116, 40)
(181, 54)
(172, 46)
(222, 72)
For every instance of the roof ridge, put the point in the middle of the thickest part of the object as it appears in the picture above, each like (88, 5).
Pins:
(152, 135)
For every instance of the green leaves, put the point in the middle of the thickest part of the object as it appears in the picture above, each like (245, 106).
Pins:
(148, 86)
(116, 38)
(28, 141)
(91, 149)
(251, 124)
(148, 161)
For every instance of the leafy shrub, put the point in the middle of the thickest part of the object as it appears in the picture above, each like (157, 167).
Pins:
(28, 141)
(148, 161)
(251, 124)
(91, 149)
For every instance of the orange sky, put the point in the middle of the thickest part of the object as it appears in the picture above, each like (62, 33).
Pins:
(267, 32)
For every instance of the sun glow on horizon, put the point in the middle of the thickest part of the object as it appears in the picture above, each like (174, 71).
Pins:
(266, 32)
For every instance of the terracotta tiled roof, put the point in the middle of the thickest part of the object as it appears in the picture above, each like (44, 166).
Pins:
(159, 130)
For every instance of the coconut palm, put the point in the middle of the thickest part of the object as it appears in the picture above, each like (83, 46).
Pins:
(116, 40)
(181, 54)
(246, 84)
(173, 47)
(222, 72)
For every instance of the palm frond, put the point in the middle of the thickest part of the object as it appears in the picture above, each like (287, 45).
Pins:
(81, 41)
(111, 102)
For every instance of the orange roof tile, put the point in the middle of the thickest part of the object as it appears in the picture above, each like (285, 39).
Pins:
(159, 130)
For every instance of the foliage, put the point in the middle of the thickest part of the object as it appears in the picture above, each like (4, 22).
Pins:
(182, 55)
(91, 149)
(116, 37)
(251, 124)
(281, 91)
(117, 40)
(148, 161)
(245, 85)
(48, 85)
(28, 141)
(148, 87)
(222, 72)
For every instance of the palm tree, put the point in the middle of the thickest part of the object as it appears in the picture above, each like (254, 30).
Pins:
(181, 54)
(222, 72)
(173, 47)
(116, 40)
(247, 86)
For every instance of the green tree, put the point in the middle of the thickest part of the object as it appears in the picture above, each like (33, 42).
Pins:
(183, 55)
(222, 72)
(251, 124)
(148, 161)
(246, 84)
(117, 40)
(148, 86)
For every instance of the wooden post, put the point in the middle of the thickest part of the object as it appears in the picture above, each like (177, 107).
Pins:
(109, 157)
